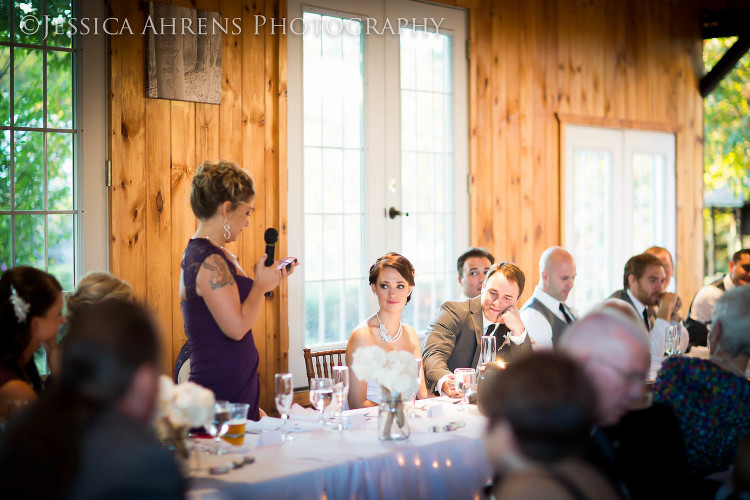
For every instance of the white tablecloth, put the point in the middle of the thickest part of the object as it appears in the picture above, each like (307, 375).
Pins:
(355, 464)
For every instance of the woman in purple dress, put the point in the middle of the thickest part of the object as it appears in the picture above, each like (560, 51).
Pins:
(220, 303)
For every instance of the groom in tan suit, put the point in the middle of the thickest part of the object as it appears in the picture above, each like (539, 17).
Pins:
(452, 338)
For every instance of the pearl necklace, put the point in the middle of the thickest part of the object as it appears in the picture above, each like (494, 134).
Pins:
(384, 331)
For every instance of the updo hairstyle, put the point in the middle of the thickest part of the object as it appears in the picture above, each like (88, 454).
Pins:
(94, 287)
(216, 183)
(397, 262)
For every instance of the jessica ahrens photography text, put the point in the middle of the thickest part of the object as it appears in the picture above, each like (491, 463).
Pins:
(31, 24)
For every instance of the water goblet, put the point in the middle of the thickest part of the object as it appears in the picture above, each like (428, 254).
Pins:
(489, 349)
(671, 340)
(340, 390)
(420, 372)
(219, 424)
(321, 393)
(466, 383)
(284, 392)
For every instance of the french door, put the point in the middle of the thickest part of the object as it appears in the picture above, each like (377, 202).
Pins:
(378, 129)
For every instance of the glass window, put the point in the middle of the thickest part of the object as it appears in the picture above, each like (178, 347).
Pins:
(37, 139)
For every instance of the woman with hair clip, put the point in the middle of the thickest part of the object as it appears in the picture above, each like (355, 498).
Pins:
(220, 302)
(392, 281)
(30, 314)
(90, 436)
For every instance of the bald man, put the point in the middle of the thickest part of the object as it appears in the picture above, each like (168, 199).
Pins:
(635, 449)
(545, 314)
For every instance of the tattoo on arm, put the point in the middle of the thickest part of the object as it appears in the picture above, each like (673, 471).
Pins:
(219, 275)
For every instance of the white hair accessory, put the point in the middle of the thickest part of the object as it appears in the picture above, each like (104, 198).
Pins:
(20, 306)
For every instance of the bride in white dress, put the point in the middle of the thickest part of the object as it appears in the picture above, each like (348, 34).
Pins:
(392, 281)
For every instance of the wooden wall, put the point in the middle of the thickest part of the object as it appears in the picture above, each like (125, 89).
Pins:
(155, 147)
(634, 63)
(607, 62)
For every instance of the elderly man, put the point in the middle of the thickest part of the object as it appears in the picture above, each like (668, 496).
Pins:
(637, 449)
(545, 314)
(453, 337)
(702, 307)
(643, 280)
(472, 267)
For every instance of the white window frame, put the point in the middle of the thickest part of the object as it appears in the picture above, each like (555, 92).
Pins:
(378, 145)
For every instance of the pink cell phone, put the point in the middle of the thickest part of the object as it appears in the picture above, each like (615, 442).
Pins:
(288, 262)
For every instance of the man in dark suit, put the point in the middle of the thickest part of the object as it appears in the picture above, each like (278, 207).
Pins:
(453, 337)
(643, 281)
(636, 449)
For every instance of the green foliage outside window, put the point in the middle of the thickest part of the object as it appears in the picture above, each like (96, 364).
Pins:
(727, 123)
(41, 179)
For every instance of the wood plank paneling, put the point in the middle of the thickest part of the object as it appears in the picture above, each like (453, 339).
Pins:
(633, 62)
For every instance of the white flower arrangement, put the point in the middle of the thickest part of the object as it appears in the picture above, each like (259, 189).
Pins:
(395, 370)
(183, 405)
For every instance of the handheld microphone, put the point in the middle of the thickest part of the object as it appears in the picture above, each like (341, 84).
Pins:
(271, 236)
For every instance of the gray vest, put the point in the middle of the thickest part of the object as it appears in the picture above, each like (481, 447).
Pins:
(556, 323)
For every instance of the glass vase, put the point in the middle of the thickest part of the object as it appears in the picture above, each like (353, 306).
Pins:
(393, 423)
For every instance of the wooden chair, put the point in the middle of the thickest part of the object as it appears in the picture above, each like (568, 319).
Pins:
(319, 364)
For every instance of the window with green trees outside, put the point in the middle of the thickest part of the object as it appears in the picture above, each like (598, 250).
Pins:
(38, 137)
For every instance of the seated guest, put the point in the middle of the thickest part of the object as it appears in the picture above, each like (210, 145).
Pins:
(453, 337)
(711, 397)
(702, 308)
(637, 449)
(90, 437)
(31, 304)
(545, 314)
(541, 411)
(94, 287)
(643, 280)
(472, 266)
(666, 258)
(392, 281)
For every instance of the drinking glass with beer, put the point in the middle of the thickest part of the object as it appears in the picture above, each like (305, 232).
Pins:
(237, 419)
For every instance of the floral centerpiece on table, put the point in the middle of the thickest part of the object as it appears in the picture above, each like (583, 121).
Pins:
(396, 373)
(179, 408)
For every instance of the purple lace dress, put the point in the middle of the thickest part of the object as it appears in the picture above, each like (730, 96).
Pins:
(227, 367)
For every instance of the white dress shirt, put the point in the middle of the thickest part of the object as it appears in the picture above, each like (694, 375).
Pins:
(536, 324)
(656, 336)
(703, 304)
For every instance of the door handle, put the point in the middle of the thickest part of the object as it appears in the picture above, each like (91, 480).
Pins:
(393, 213)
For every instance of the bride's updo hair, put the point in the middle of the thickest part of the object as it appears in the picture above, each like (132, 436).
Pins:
(215, 183)
(96, 286)
(397, 262)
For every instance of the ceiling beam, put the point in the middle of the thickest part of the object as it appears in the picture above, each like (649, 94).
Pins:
(725, 65)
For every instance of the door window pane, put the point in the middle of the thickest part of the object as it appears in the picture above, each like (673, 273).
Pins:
(333, 90)
(426, 169)
(591, 216)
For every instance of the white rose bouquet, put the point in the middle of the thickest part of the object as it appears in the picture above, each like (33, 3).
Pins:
(396, 372)
(179, 408)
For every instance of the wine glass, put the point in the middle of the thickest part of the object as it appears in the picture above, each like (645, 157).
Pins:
(284, 391)
(220, 423)
(340, 390)
(671, 340)
(321, 392)
(466, 383)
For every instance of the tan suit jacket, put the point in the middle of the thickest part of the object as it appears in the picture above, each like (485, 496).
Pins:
(452, 339)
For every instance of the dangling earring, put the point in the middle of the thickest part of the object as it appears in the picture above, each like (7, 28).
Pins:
(227, 233)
